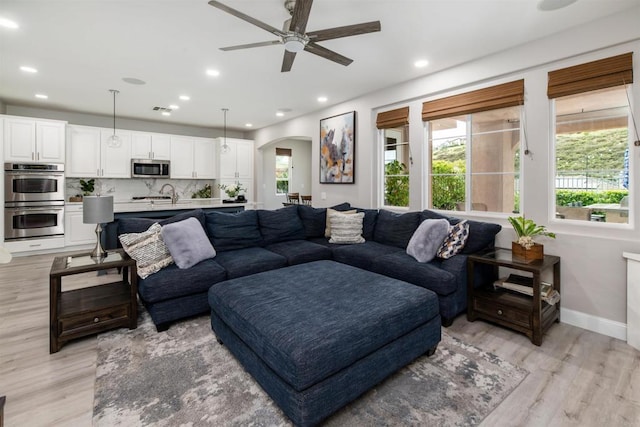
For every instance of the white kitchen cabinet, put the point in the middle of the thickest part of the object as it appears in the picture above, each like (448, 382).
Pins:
(193, 157)
(75, 231)
(236, 165)
(36, 141)
(146, 145)
(89, 156)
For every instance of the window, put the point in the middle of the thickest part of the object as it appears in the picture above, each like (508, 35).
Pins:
(396, 156)
(592, 140)
(283, 170)
(474, 149)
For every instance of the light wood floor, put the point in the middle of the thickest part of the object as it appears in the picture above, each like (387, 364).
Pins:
(577, 378)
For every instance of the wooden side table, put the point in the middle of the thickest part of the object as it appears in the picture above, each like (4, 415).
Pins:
(93, 309)
(527, 314)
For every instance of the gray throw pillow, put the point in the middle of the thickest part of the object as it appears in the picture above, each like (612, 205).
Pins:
(187, 242)
(427, 239)
(148, 249)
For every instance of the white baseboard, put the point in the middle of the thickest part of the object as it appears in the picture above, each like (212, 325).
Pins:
(600, 325)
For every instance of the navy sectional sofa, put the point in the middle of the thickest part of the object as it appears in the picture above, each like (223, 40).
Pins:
(255, 241)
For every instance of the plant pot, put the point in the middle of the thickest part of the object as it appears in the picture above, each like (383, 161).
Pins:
(519, 252)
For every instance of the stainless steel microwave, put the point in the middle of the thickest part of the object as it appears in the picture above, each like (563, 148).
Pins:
(148, 168)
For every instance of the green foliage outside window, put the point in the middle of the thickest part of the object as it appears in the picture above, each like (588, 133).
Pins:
(396, 184)
(585, 198)
(447, 185)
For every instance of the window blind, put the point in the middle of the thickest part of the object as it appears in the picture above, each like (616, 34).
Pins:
(283, 152)
(604, 73)
(393, 119)
(490, 98)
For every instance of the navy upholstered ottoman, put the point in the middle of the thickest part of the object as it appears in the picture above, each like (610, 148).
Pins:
(316, 336)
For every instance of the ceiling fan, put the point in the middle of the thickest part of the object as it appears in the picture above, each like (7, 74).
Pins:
(294, 36)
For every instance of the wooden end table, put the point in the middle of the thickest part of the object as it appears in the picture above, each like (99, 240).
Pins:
(527, 314)
(93, 309)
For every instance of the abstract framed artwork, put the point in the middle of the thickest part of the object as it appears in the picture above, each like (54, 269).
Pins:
(338, 149)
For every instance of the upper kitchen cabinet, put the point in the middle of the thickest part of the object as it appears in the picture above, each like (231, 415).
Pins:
(237, 161)
(33, 141)
(89, 155)
(193, 157)
(150, 146)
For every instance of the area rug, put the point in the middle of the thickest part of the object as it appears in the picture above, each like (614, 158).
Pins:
(183, 377)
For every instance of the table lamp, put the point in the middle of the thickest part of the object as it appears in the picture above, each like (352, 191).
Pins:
(97, 210)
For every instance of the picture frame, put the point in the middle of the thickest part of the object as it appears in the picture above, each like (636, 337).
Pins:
(338, 149)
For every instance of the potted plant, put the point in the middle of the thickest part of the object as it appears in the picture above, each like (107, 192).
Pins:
(526, 230)
(87, 187)
(233, 191)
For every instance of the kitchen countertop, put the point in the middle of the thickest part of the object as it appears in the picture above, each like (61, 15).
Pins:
(165, 205)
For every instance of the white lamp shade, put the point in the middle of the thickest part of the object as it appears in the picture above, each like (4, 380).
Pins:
(97, 209)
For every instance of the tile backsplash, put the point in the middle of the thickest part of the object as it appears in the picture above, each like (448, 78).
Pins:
(124, 190)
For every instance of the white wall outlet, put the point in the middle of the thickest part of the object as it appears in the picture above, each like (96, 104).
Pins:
(323, 195)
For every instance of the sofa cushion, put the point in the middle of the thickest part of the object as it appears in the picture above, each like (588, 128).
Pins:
(363, 255)
(187, 242)
(369, 222)
(345, 228)
(395, 229)
(313, 220)
(137, 225)
(300, 251)
(427, 239)
(330, 211)
(174, 282)
(481, 234)
(280, 225)
(243, 262)
(229, 231)
(428, 275)
(148, 249)
(455, 240)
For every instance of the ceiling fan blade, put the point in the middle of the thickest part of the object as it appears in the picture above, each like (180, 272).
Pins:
(300, 16)
(246, 18)
(250, 45)
(287, 61)
(316, 49)
(346, 31)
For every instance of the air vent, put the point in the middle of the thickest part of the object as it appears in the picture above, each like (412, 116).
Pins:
(162, 109)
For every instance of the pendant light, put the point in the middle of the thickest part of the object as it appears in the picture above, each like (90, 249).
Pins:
(225, 147)
(114, 140)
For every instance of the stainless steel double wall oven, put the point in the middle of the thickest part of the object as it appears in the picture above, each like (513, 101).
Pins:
(33, 200)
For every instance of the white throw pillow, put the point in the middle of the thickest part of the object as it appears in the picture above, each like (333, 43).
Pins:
(427, 239)
(327, 230)
(148, 249)
(346, 228)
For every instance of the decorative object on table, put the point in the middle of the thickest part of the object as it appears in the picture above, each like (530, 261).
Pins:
(97, 210)
(459, 385)
(233, 191)
(337, 149)
(526, 229)
(203, 193)
(114, 140)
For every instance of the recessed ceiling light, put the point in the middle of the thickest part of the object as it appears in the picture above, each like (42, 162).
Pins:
(421, 63)
(184, 98)
(8, 23)
(248, 125)
(322, 99)
(279, 113)
(547, 5)
(133, 81)
(41, 96)
(174, 106)
(213, 73)
(166, 113)
(27, 69)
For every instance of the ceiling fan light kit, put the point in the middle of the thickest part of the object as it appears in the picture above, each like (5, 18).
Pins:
(294, 36)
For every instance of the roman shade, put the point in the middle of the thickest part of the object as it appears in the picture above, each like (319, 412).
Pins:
(393, 119)
(490, 98)
(283, 152)
(601, 74)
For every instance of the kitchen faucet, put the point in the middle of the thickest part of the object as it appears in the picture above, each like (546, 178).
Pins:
(174, 196)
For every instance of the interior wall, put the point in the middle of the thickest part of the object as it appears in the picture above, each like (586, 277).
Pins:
(593, 269)
(96, 120)
(300, 180)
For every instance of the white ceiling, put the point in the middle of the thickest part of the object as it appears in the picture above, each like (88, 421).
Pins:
(83, 48)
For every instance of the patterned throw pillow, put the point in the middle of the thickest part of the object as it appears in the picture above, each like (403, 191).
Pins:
(327, 231)
(455, 240)
(148, 249)
(345, 228)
